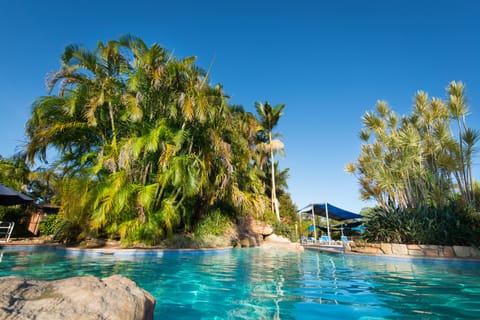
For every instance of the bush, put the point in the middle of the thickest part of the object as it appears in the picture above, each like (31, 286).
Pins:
(133, 232)
(21, 216)
(51, 224)
(214, 223)
(189, 241)
(179, 241)
(286, 230)
(450, 225)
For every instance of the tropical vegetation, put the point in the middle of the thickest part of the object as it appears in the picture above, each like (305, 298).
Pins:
(418, 169)
(147, 148)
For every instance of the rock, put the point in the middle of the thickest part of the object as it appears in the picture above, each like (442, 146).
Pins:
(92, 243)
(252, 241)
(274, 238)
(386, 248)
(85, 298)
(413, 247)
(414, 252)
(275, 241)
(448, 252)
(474, 252)
(245, 242)
(462, 251)
(260, 228)
(399, 249)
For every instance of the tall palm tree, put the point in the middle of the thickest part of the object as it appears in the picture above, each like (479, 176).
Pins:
(269, 117)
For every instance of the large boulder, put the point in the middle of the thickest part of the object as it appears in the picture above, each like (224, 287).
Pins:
(260, 227)
(85, 298)
(250, 225)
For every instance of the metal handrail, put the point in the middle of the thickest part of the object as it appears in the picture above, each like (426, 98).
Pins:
(6, 229)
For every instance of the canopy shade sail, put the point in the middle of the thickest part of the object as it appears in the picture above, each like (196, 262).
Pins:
(10, 197)
(350, 225)
(347, 226)
(326, 209)
(329, 212)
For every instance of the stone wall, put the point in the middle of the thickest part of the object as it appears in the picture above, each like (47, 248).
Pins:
(413, 250)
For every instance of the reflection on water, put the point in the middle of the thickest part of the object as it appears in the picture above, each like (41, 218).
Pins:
(274, 284)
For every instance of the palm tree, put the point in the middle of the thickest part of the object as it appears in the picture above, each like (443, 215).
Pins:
(14, 172)
(151, 146)
(269, 117)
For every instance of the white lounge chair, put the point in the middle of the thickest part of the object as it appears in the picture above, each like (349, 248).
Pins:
(6, 229)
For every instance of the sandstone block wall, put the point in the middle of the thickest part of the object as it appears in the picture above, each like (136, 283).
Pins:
(413, 250)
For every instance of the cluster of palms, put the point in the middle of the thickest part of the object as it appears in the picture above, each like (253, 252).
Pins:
(424, 159)
(419, 171)
(146, 146)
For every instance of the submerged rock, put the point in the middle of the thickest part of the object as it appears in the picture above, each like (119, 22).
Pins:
(85, 298)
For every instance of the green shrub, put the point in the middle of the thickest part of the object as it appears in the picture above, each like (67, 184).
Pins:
(51, 224)
(133, 232)
(179, 241)
(21, 216)
(450, 225)
(285, 230)
(214, 223)
(212, 241)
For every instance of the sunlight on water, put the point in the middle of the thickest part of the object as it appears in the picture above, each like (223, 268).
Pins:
(274, 284)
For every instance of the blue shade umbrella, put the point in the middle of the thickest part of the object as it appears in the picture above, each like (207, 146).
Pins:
(10, 197)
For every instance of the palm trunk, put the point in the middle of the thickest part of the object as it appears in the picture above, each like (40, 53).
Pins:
(274, 194)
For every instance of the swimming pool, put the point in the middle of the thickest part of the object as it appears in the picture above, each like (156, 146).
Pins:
(273, 284)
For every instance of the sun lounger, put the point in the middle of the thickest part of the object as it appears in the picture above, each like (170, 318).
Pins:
(324, 240)
(6, 229)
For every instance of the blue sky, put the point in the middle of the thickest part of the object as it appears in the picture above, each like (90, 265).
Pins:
(328, 61)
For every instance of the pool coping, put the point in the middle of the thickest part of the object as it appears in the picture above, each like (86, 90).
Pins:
(159, 252)
(391, 256)
(105, 251)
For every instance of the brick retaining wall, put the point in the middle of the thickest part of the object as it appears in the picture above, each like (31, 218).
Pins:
(413, 250)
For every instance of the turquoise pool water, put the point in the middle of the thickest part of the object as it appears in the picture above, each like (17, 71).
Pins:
(274, 284)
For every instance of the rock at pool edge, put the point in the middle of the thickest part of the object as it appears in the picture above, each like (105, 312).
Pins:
(85, 298)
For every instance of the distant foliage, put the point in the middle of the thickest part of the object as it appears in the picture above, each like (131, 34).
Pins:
(215, 223)
(182, 241)
(286, 230)
(450, 225)
(20, 216)
(51, 224)
(288, 209)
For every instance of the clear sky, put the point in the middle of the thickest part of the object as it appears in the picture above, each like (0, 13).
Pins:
(328, 61)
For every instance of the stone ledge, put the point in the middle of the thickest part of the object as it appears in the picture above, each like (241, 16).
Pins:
(413, 250)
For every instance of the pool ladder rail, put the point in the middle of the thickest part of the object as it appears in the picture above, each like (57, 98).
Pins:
(6, 229)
